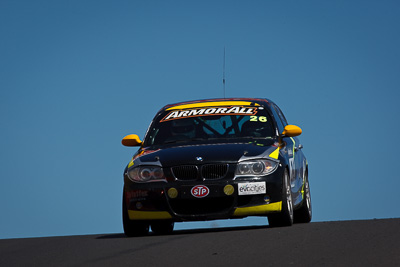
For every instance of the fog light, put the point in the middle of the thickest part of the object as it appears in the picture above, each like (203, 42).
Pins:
(139, 205)
(229, 189)
(172, 192)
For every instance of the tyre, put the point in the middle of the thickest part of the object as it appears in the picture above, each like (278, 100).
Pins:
(132, 228)
(304, 214)
(162, 227)
(285, 217)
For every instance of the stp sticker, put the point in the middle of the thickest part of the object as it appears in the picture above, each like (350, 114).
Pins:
(200, 191)
(252, 188)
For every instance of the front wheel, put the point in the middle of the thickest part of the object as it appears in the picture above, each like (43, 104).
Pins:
(304, 214)
(285, 217)
(132, 228)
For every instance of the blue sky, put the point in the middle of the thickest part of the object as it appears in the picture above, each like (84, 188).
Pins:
(77, 76)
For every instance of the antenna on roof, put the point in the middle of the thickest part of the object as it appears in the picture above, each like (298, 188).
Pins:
(223, 73)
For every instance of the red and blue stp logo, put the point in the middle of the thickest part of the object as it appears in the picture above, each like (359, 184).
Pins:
(200, 191)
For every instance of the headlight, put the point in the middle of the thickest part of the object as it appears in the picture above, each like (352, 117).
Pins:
(146, 174)
(256, 167)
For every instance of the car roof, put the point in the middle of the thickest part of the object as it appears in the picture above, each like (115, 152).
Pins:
(218, 101)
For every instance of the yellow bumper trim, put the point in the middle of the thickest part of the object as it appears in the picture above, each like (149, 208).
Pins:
(259, 210)
(148, 215)
(239, 212)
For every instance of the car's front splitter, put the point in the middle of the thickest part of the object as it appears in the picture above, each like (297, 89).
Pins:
(260, 210)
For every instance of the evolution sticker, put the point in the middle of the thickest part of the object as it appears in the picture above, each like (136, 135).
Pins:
(254, 188)
(197, 112)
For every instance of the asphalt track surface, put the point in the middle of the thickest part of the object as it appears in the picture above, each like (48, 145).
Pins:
(342, 243)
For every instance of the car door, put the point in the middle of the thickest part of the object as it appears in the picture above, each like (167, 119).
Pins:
(295, 157)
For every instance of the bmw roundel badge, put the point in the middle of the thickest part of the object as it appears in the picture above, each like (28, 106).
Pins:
(199, 158)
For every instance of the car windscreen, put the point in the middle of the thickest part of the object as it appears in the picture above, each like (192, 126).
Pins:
(198, 125)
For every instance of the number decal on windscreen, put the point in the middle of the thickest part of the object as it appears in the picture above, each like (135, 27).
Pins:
(258, 118)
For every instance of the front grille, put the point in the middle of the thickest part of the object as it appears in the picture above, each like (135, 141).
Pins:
(185, 172)
(214, 171)
(208, 172)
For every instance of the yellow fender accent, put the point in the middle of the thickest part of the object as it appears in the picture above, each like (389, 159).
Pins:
(258, 210)
(294, 145)
(275, 154)
(131, 163)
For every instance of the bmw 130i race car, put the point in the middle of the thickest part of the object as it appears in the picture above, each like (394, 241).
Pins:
(216, 159)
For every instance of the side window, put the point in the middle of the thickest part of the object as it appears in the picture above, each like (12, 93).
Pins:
(278, 120)
(280, 113)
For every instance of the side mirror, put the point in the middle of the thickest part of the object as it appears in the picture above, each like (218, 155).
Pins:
(131, 140)
(292, 130)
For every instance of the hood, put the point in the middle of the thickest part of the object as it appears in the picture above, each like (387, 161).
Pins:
(205, 153)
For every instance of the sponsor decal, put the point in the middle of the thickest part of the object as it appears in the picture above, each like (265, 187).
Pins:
(252, 188)
(197, 112)
(200, 191)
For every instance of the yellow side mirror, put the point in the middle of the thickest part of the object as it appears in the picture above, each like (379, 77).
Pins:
(131, 140)
(292, 130)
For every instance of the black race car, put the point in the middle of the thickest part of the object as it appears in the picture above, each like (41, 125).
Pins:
(216, 159)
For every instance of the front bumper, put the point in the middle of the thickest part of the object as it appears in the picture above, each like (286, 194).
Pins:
(151, 201)
(259, 210)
